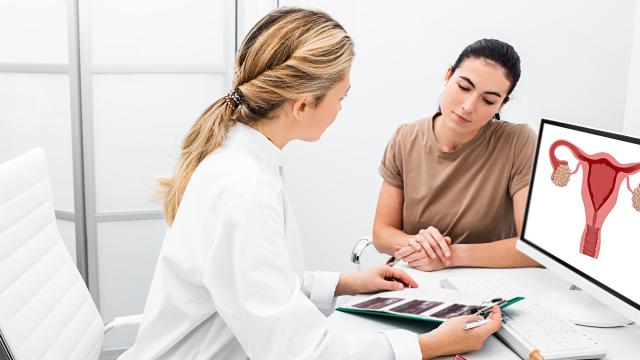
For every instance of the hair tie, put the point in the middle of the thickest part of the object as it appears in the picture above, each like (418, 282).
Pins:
(233, 98)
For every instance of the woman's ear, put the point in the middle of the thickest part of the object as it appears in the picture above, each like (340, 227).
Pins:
(300, 108)
(448, 74)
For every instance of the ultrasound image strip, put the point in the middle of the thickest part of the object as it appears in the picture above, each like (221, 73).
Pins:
(376, 303)
(416, 306)
(456, 310)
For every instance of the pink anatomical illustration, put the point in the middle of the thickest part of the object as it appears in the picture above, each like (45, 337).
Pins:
(601, 180)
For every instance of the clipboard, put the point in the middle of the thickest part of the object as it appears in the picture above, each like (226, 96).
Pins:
(433, 306)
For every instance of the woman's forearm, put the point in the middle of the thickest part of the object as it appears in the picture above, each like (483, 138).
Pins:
(497, 254)
(385, 237)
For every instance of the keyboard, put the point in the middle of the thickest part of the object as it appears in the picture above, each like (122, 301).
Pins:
(530, 328)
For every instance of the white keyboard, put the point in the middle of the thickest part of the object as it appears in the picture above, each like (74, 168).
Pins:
(528, 325)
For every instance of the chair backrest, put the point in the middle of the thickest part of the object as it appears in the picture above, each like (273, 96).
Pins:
(46, 311)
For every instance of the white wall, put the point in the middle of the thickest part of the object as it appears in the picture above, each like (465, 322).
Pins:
(632, 113)
(574, 68)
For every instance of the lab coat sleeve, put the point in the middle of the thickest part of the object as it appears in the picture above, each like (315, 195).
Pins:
(320, 287)
(260, 297)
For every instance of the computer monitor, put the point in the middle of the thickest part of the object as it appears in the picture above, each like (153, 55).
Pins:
(582, 219)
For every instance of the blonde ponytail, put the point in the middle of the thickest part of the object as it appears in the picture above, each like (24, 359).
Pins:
(206, 135)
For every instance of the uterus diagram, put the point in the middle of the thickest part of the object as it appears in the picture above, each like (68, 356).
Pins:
(601, 180)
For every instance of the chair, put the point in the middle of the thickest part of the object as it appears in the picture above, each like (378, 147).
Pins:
(358, 249)
(46, 311)
(373, 257)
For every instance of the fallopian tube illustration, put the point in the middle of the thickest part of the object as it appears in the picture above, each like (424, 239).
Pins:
(601, 180)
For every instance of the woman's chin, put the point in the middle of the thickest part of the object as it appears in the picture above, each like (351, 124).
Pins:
(311, 138)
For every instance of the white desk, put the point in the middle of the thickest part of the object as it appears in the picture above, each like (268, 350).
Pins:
(622, 343)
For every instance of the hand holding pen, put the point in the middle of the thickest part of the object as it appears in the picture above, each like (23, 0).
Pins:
(454, 338)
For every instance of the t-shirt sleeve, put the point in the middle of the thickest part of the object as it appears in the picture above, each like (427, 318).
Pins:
(391, 166)
(523, 151)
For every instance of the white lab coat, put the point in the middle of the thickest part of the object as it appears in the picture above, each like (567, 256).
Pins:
(229, 283)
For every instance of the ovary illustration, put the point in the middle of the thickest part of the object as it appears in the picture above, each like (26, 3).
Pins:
(601, 180)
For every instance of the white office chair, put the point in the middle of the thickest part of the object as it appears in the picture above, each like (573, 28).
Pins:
(46, 312)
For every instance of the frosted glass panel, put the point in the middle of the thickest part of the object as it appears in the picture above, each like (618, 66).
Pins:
(68, 233)
(250, 11)
(190, 31)
(35, 111)
(139, 123)
(33, 31)
(127, 255)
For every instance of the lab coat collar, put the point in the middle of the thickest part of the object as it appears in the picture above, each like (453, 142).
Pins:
(252, 141)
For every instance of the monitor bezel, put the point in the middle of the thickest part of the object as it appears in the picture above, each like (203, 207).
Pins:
(549, 256)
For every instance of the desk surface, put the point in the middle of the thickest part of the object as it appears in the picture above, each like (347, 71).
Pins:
(622, 343)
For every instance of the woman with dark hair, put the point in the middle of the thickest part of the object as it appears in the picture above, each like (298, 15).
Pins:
(455, 184)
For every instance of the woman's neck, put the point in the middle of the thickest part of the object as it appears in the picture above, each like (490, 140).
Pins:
(449, 139)
(275, 129)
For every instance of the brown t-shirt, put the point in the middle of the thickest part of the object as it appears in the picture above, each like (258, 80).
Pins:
(467, 193)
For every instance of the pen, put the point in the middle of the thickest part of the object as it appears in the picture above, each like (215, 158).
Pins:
(392, 261)
(475, 324)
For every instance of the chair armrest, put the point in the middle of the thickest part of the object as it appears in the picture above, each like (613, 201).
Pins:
(123, 321)
(358, 248)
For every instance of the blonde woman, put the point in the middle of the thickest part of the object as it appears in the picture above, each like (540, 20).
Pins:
(229, 283)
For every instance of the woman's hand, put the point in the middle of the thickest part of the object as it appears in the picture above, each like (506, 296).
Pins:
(435, 244)
(451, 337)
(428, 250)
(425, 263)
(377, 278)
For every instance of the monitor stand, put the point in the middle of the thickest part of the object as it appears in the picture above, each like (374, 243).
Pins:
(582, 309)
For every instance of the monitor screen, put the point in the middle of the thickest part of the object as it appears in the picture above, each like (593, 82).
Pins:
(583, 210)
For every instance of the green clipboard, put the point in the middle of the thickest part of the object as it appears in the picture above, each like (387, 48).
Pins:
(503, 304)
